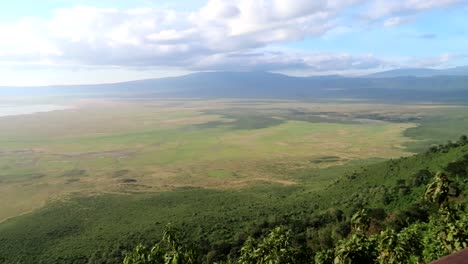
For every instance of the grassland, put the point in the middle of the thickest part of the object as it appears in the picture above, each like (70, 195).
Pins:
(135, 146)
(122, 147)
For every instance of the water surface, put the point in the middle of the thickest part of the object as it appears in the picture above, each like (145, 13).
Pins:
(11, 110)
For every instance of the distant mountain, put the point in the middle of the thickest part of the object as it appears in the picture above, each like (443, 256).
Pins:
(268, 85)
(422, 72)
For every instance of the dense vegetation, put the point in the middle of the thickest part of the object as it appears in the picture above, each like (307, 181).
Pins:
(424, 238)
(214, 226)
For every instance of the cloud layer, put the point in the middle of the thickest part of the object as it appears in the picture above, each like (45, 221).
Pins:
(229, 35)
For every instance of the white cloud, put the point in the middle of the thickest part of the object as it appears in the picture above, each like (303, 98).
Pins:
(437, 61)
(157, 37)
(23, 40)
(223, 34)
(283, 60)
(395, 21)
(385, 8)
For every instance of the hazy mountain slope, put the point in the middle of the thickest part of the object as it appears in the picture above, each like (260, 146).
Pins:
(421, 72)
(268, 85)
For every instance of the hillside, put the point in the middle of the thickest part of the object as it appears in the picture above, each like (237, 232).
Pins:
(441, 89)
(70, 231)
(421, 72)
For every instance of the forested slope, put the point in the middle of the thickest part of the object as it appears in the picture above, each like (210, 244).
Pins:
(399, 211)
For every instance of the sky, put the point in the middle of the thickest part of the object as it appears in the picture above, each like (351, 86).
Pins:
(52, 42)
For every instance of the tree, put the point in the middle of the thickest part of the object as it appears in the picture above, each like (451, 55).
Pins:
(445, 233)
(438, 190)
(399, 247)
(421, 177)
(276, 248)
(458, 168)
(360, 221)
(169, 251)
(143, 255)
(359, 249)
(325, 256)
(463, 140)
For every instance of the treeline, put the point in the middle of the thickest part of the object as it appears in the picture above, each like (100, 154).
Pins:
(423, 231)
(463, 140)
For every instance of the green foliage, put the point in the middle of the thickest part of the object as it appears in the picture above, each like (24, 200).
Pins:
(325, 256)
(458, 168)
(463, 140)
(438, 191)
(360, 221)
(141, 255)
(358, 249)
(169, 251)
(399, 247)
(276, 248)
(421, 177)
(445, 233)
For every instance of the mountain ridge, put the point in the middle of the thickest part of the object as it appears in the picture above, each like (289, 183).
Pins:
(268, 85)
(394, 73)
(421, 72)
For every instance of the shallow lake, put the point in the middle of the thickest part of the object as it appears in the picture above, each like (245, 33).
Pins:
(9, 110)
